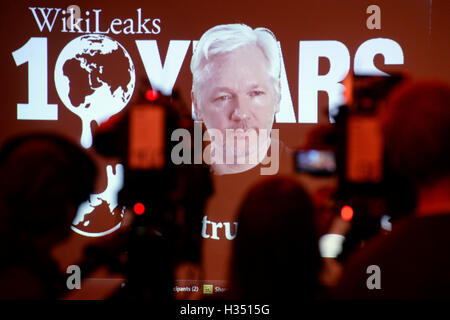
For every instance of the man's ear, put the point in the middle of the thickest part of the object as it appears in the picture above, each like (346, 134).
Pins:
(277, 107)
(197, 112)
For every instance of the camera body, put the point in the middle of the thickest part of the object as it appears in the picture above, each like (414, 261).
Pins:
(166, 199)
(355, 142)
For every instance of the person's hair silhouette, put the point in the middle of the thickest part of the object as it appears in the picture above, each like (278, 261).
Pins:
(44, 178)
(275, 252)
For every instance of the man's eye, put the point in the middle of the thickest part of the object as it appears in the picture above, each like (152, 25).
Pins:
(256, 93)
(223, 98)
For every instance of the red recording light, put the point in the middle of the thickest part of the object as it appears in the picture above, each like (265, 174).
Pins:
(347, 213)
(151, 95)
(139, 208)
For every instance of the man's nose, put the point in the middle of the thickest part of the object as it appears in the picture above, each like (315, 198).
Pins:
(239, 111)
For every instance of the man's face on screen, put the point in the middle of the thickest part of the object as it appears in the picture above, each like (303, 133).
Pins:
(237, 92)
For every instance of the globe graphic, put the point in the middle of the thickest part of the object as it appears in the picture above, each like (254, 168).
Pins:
(101, 214)
(95, 79)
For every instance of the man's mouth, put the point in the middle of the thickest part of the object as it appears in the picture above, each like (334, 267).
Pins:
(244, 132)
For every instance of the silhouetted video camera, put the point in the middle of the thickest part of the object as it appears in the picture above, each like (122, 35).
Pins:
(167, 199)
(353, 150)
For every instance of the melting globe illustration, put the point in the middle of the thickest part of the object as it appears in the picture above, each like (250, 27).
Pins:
(101, 214)
(95, 79)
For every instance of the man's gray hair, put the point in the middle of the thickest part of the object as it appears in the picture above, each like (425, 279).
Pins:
(228, 37)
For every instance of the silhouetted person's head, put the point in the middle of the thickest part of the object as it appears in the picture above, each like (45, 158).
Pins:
(44, 178)
(417, 137)
(417, 130)
(275, 251)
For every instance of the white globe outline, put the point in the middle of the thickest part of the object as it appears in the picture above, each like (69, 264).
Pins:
(87, 115)
(110, 193)
(110, 104)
